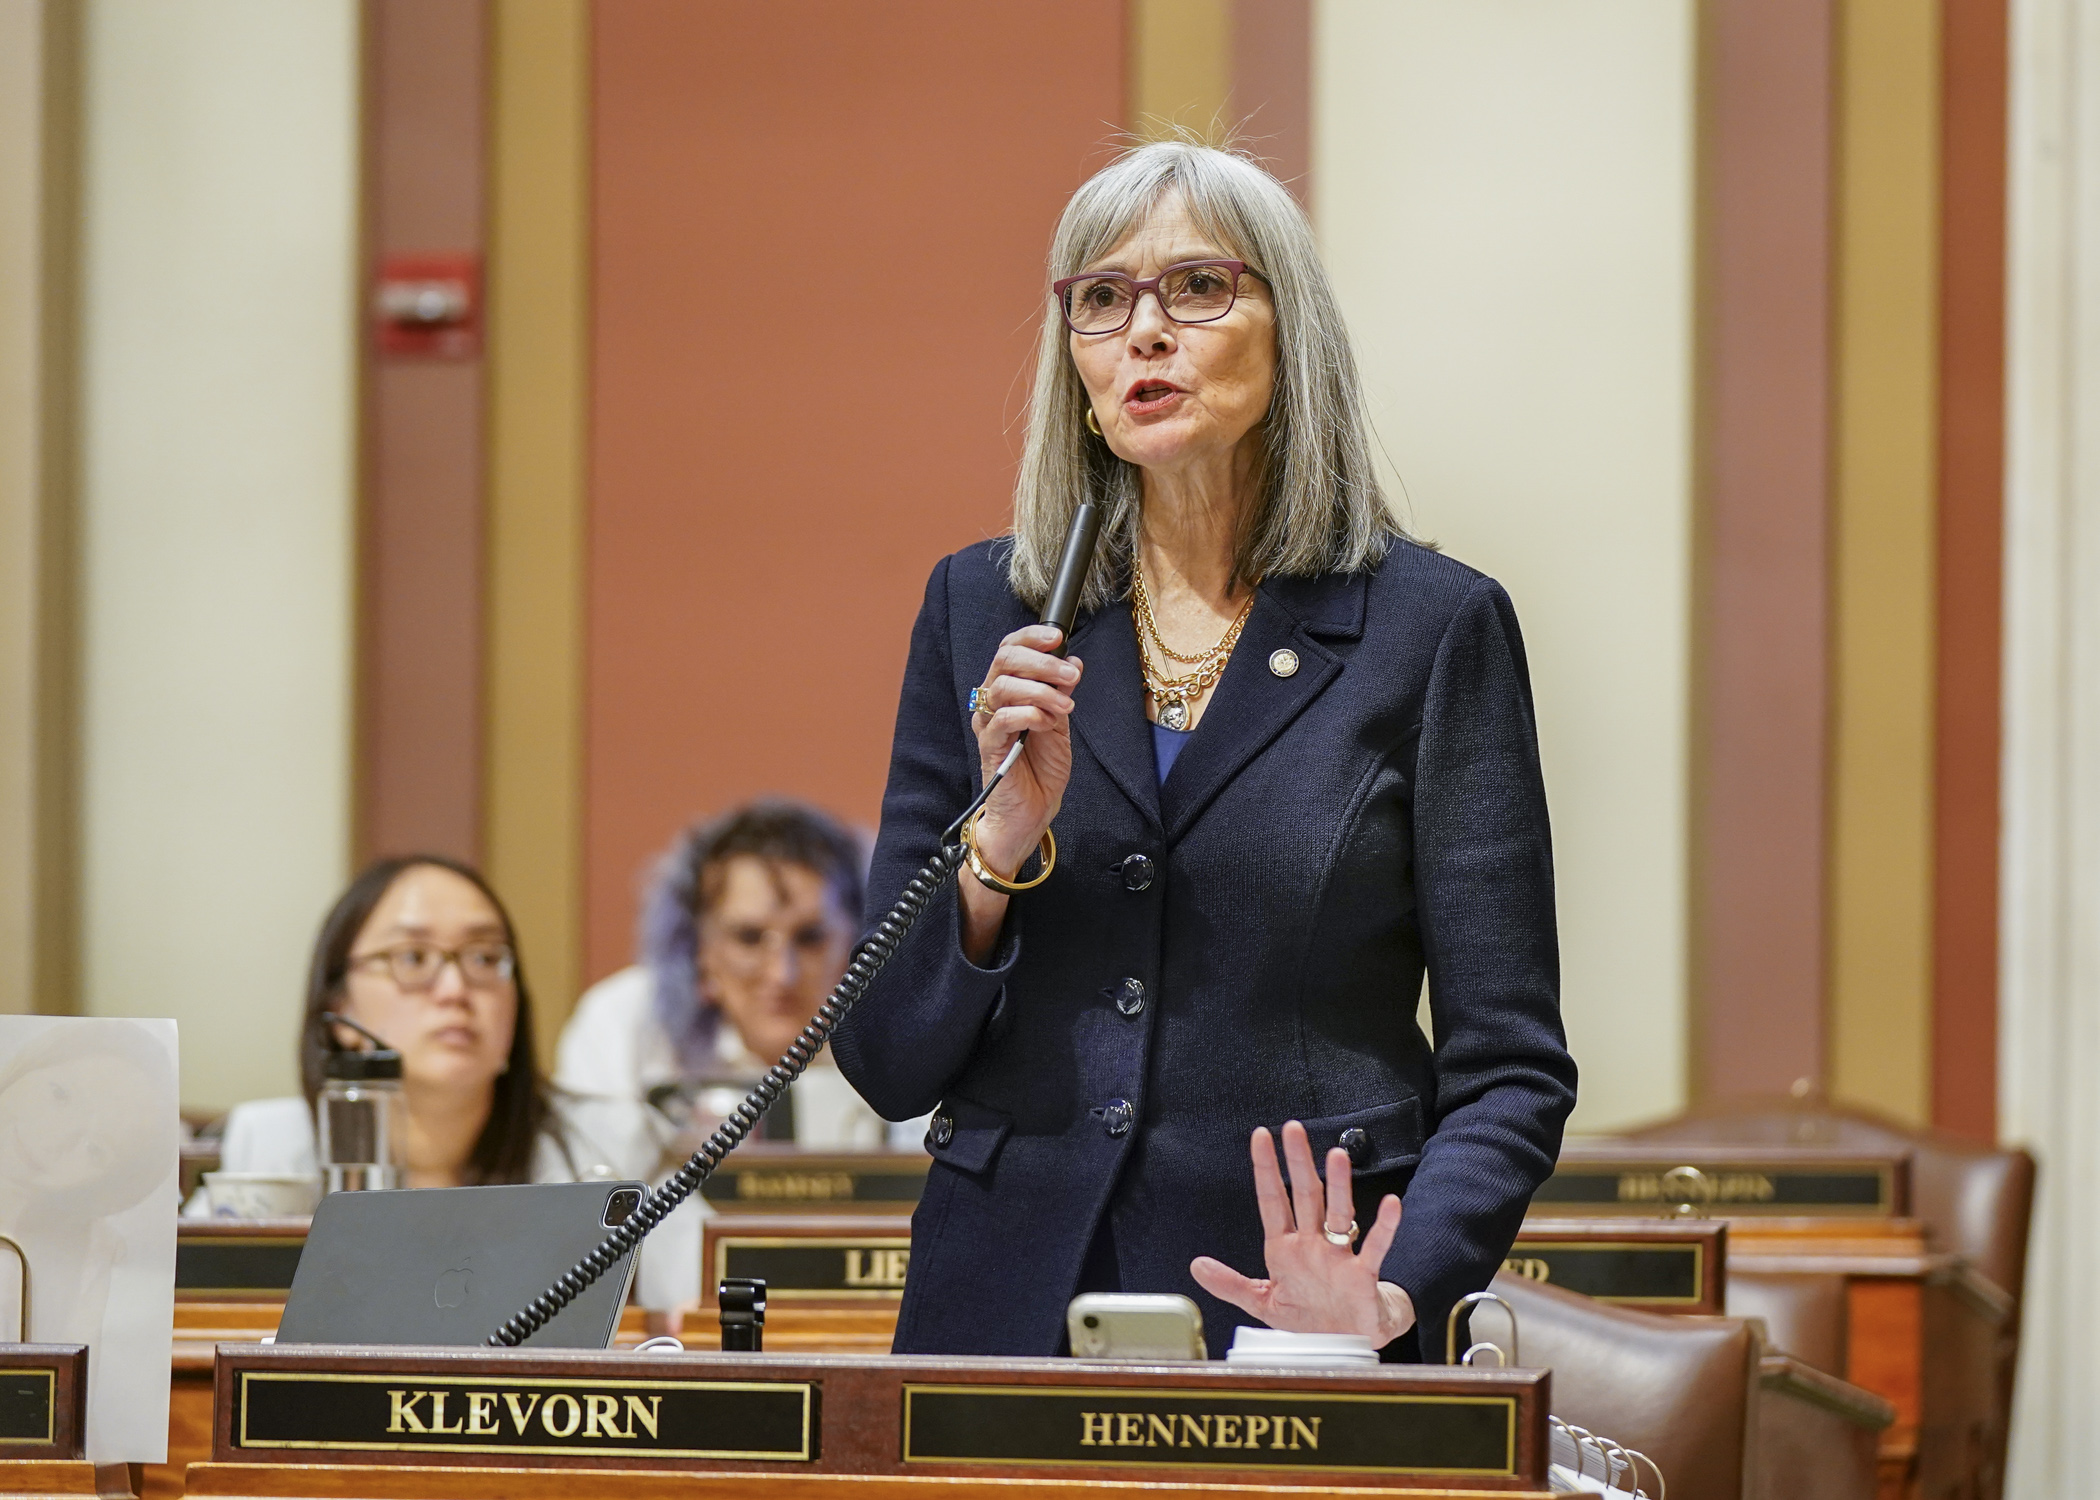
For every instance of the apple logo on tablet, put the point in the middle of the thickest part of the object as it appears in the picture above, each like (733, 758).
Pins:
(451, 1288)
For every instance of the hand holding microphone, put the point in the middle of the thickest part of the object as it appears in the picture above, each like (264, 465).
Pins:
(1024, 735)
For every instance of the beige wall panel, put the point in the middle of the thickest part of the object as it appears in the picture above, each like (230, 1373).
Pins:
(1180, 63)
(218, 362)
(1506, 203)
(2049, 989)
(1884, 536)
(539, 361)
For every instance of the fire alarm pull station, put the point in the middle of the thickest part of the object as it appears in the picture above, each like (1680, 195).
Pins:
(429, 305)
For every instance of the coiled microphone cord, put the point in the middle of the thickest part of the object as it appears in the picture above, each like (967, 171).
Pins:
(868, 961)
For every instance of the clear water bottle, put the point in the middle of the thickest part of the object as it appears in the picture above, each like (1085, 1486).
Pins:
(359, 1115)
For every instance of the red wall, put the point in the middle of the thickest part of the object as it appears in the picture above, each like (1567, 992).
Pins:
(779, 456)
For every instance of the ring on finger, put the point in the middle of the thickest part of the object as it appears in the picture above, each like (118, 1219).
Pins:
(1341, 1236)
(980, 700)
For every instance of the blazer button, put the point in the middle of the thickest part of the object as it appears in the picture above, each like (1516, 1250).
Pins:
(940, 1132)
(1130, 997)
(1137, 872)
(1116, 1116)
(1358, 1145)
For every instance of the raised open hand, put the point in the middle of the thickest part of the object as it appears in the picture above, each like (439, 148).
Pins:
(1317, 1283)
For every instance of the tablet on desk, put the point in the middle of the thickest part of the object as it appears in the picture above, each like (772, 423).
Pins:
(452, 1265)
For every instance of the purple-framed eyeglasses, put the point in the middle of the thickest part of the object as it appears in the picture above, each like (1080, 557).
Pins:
(1196, 291)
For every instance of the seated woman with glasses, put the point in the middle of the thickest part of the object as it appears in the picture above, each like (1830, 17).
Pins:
(748, 924)
(420, 954)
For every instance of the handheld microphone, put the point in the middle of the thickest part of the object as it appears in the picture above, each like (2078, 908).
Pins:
(1062, 607)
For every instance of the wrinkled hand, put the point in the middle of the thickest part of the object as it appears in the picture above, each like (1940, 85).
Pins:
(1313, 1285)
(1030, 690)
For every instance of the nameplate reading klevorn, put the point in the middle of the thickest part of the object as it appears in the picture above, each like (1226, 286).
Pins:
(1615, 1272)
(489, 1414)
(1122, 1427)
(28, 1406)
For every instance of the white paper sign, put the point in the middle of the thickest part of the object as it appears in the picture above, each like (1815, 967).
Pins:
(89, 1147)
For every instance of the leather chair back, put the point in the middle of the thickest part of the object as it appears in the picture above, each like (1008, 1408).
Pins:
(1683, 1390)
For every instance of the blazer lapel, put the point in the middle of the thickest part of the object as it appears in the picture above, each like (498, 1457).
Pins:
(1252, 703)
(1109, 706)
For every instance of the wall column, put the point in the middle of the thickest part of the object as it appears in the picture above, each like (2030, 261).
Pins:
(1762, 616)
(39, 224)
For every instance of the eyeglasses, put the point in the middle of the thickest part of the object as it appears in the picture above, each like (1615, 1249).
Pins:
(749, 949)
(1196, 291)
(416, 966)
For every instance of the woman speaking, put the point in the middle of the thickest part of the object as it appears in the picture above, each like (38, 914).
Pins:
(1293, 769)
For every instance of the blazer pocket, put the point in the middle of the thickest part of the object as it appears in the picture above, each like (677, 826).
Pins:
(967, 1135)
(1390, 1137)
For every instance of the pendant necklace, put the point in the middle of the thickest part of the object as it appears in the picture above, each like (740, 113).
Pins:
(1173, 694)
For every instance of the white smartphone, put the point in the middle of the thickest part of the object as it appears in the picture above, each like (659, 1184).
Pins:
(1135, 1325)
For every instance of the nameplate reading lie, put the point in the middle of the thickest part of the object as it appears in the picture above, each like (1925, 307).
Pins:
(859, 1267)
(1126, 1427)
(28, 1406)
(1614, 1272)
(1729, 1189)
(489, 1414)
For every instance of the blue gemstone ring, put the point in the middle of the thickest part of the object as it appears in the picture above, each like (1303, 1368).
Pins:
(980, 701)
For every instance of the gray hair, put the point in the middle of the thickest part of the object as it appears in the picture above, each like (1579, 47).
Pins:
(1321, 508)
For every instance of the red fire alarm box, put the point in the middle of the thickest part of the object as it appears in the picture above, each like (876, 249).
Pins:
(429, 305)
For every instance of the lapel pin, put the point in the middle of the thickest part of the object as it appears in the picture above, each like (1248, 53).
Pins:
(1283, 663)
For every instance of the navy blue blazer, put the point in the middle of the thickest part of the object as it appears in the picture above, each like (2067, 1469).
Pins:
(1242, 945)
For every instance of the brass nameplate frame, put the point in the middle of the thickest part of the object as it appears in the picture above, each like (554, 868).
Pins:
(1045, 1426)
(805, 1268)
(807, 1181)
(1723, 1186)
(546, 1416)
(28, 1408)
(1651, 1274)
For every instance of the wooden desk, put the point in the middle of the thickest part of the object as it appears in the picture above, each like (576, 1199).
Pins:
(1870, 1302)
(310, 1420)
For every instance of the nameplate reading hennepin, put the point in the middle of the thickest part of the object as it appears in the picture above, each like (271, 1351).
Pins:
(1121, 1427)
(483, 1414)
(28, 1402)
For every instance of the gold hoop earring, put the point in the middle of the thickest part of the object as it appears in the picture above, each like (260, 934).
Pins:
(1093, 425)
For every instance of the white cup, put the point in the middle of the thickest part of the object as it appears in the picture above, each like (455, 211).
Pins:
(261, 1195)
(1280, 1349)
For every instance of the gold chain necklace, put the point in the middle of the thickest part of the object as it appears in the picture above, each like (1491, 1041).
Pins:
(1174, 694)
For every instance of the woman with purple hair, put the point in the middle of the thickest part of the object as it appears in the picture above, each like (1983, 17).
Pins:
(747, 924)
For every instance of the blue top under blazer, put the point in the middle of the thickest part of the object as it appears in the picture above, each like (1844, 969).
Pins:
(1240, 945)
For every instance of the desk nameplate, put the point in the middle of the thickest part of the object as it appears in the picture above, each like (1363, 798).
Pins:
(847, 1260)
(1384, 1427)
(1135, 1427)
(43, 1400)
(1658, 1276)
(790, 1181)
(217, 1267)
(542, 1416)
(1725, 1185)
(28, 1407)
